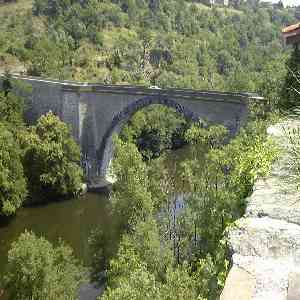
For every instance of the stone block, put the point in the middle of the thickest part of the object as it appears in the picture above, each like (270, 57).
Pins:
(239, 285)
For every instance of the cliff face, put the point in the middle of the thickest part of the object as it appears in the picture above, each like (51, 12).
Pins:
(266, 242)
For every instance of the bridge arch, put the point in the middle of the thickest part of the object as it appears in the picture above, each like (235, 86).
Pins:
(105, 151)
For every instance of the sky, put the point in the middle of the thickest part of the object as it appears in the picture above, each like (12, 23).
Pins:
(287, 2)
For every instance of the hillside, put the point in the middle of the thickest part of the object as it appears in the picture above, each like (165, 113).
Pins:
(166, 43)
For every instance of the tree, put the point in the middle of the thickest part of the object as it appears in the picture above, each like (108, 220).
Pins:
(50, 56)
(131, 199)
(13, 189)
(155, 129)
(38, 270)
(11, 110)
(51, 159)
(143, 269)
(291, 88)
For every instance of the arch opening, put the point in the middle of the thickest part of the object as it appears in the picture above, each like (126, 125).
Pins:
(105, 151)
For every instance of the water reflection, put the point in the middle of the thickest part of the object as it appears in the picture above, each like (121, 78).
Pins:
(70, 220)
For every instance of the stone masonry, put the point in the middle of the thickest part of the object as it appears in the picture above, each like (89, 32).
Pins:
(266, 241)
(95, 112)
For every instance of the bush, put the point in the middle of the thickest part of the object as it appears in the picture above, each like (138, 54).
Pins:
(36, 270)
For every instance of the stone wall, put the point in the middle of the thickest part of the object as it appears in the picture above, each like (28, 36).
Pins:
(266, 242)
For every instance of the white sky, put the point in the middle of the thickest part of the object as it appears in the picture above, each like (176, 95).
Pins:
(287, 2)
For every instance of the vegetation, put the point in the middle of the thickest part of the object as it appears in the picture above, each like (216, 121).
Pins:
(291, 87)
(166, 249)
(292, 134)
(36, 162)
(13, 189)
(37, 270)
(51, 158)
(177, 43)
(11, 110)
(12, 182)
(155, 129)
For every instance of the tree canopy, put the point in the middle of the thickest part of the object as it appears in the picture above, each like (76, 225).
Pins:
(168, 43)
(51, 158)
(38, 270)
(13, 189)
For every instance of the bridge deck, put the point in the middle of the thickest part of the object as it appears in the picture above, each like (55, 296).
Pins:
(77, 86)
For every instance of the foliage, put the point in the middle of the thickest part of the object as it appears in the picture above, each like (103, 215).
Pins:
(134, 274)
(155, 129)
(170, 252)
(223, 179)
(291, 87)
(45, 155)
(12, 181)
(131, 200)
(252, 154)
(37, 270)
(11, 110)
(293, 139)
(51, 158)
(169, 43)
(168, 249)
(103, 246)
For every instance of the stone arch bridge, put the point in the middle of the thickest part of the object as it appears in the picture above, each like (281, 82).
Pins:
(96, 111)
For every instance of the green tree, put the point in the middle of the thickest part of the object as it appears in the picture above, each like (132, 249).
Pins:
(291, 88)
(38, 270)
(51, 56)
(143, 269)
(131, 199)
(11, 110)
(13, 189)
(155, 129)
(51, 159)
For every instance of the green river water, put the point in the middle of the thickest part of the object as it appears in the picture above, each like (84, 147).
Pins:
(71, 220)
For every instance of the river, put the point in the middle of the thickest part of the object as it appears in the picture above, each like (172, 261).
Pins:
(71, 220)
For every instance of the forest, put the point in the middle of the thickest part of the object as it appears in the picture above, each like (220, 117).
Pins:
(175, 43)
(165, 248)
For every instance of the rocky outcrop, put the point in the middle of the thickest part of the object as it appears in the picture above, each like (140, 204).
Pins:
(266, 242)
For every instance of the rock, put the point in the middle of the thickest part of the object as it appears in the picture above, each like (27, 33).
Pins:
(265, 237)
(294, 286)
(239, 285)
(266, 242)
(270, 275)
(277, 196)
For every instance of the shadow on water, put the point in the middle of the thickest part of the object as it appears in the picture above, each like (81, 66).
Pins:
(5, 221)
